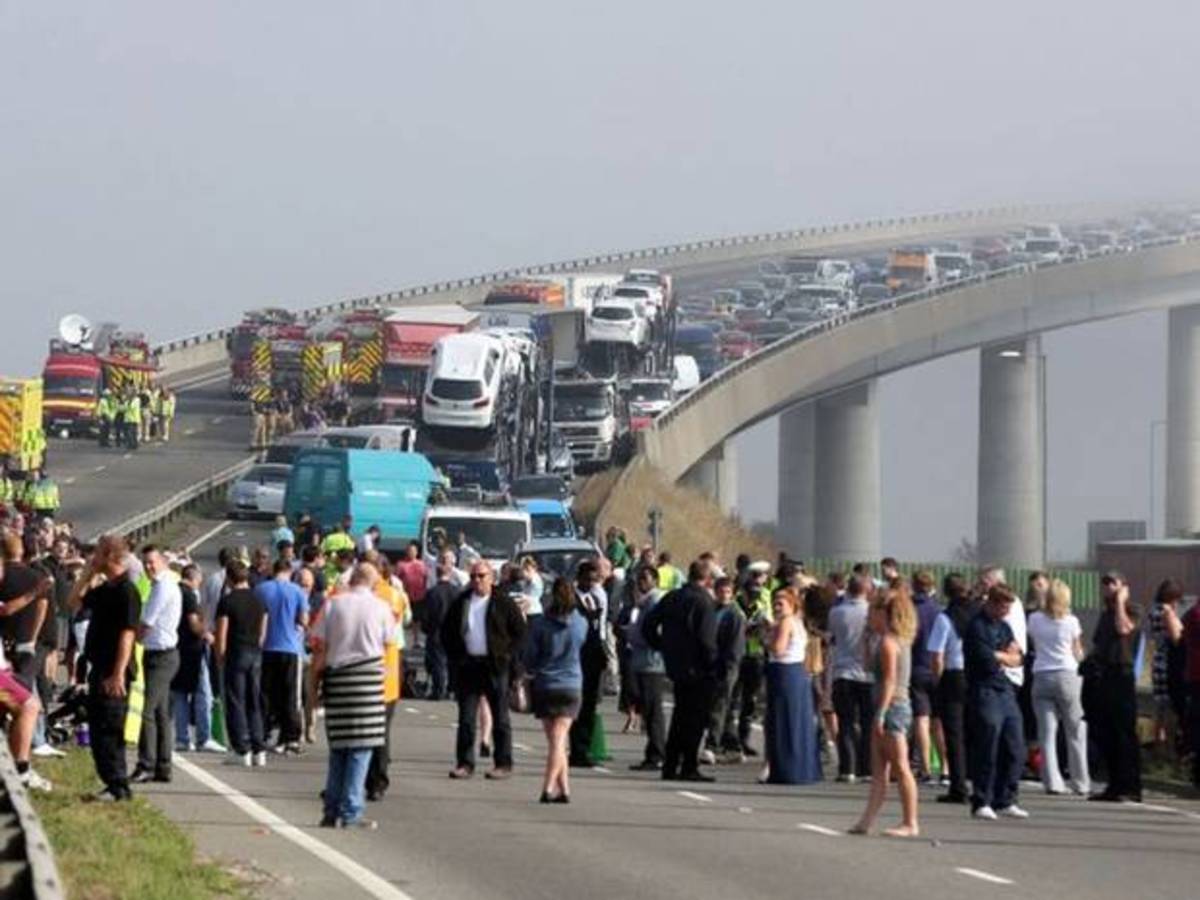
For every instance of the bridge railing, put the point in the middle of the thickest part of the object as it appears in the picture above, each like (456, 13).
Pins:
(809, 332)
(27, 866)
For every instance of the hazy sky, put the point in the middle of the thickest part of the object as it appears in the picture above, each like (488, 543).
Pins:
(170, 164)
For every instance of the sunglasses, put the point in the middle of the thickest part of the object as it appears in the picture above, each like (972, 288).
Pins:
(480, 575)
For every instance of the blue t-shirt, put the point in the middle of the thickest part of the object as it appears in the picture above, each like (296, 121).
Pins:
(284, 602)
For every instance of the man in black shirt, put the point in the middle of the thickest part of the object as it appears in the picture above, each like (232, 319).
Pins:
(433, 613)
(23, 627)
(106, 591)
(241, 630)
(1114, 647)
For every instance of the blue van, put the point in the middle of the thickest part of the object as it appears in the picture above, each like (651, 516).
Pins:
(549, 518)
(373, 487)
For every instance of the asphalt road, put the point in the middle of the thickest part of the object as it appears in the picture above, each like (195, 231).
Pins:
(630, 834)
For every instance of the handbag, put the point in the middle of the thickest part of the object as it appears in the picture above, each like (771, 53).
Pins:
(518, 696)
(814, 655)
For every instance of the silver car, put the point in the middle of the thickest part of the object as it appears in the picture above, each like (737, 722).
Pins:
(259, 492)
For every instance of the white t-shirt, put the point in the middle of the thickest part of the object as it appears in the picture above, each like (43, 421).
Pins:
(476, 639)
(1054, 642)
(1016, 621)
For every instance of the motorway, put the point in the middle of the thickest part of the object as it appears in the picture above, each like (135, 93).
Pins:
(630, 834)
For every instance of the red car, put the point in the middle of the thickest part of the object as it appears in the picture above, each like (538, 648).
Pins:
(736, 344)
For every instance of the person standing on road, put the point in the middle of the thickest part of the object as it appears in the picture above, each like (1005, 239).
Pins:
(946, 663)
(159, 636)
(1115, 646)
(241, 631)
(997, 735)
(352, 639)
(925, 729)
(790, 728)
(1191, 677)
(552, 660)
(893, 620)
(282, 655)
(108, 594)
(593, 606)
(852, 682)
(435, 606)
(482, 630)
(648, 671)
(682, 626)
(731, 647)
(191, 692)
(1166, 667)
(1057, 689)
(755, 601)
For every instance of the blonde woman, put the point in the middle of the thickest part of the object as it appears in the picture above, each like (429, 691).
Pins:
(893, 619)
(1058, 639)
(790, 727)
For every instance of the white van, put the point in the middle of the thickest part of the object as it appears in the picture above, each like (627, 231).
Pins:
(491, 533)
(462, 389)
(687, 375)
(371, 437)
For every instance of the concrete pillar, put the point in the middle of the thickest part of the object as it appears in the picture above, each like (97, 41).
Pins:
(797, 479)
(1183, 422)
(1011, 515)
(715, 476)
(846, 499)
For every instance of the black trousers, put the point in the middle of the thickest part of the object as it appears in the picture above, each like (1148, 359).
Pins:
(584, 724)
(106, 731)
(652, 688)
(282, 694)
(693, 700)
(855, 710)
(243, 699)
(435, 665)
(951, 694)
(749, 689)
(1193, 730)
(157, 738)
(381, 757)
(475, 678)
(1116, 731)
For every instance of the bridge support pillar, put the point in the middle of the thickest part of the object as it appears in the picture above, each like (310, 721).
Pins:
(1012, 477)
(715, 476)
(797, 479)
(846, 497)
(1183, 422)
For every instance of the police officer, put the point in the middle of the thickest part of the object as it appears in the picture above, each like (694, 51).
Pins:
(166, 413)
(133, 420)
(146, 403)
(43, 496)
(106, 414)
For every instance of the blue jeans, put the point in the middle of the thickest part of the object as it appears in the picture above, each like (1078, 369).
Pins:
(195, 708)
(346, 784)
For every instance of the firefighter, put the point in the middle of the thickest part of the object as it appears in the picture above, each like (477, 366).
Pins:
(258, 415)
(166, 414)
(7, 488)
(43, 496)
(106, 414)
(146, 404)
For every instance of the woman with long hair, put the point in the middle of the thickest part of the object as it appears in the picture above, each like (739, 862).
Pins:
(893, 619)
(552, 661)
(790, 728)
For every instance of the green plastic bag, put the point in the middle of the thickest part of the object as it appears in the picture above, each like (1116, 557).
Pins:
(218, 722)
(598, 751)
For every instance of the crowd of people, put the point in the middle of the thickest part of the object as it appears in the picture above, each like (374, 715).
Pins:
(135, 415)
(859, 676)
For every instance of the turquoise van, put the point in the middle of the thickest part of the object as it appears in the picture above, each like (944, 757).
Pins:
(373, 487)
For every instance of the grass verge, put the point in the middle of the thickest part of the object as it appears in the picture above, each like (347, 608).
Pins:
(111, 851)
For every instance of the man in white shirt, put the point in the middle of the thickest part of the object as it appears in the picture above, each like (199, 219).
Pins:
(159, 636)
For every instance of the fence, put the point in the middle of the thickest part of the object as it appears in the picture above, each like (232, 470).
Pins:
(27, 867)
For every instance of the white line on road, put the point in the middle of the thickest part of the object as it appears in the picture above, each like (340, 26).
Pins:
(188, 432)
(100, 468)
(70, 480)
(363, 877)
(983, 876)
(699, 798)
(819, 829)
(603, 770)
(217, 420)
(412, 709)
(208, 535)
(127, 456)
(524, 748)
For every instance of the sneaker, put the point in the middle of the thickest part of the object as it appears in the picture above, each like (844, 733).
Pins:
(943, 781)
(35, 782)
(211, 746)
(327, 822)
(47, 751)
(847, 779)
(185, 748)
(707, 757)
(733, 757)
(104, 795)
(748, 751)
(361, 824)
(698, 777)
(293, 749)
(984, 812)
(240, 759)
(260, 758)
(141, 776)
(1012, 811)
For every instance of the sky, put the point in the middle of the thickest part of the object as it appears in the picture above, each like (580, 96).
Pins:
(168, 165)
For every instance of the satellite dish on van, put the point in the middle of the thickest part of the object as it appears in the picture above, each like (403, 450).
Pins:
(74, 329)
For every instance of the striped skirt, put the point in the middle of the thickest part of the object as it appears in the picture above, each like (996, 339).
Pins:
(355, 716)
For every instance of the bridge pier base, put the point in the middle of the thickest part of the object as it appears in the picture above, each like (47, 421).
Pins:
(715, 476)
(1011, 514)
(1183, 422)
(797, 479)
(846, 495)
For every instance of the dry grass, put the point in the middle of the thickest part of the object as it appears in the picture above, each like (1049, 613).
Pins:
(592, 492)
(692, 523)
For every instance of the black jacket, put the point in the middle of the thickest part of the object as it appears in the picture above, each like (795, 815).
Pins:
(682, 626)
(505, 629)
(437, 602)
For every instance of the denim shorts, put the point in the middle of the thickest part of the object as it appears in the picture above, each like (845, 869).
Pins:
(898, 718)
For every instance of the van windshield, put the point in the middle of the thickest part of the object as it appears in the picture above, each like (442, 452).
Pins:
(490, 538)
(613, 313)
(454, 389)
(552, 525)
(348, 441)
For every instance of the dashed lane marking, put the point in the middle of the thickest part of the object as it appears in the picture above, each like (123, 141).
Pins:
(691, 795)
(819, 829)
(983, 876)
(603, 770)
(188, 432)
(70, 480)
(127, 456)
(363, 877)
(524, 748)
(208, 536)
(217, 420)
(99, 468)
(412, 709)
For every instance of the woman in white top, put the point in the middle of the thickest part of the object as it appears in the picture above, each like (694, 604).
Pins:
(1058, 643)
(790, 725)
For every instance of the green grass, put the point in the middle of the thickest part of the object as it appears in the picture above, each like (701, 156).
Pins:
(111, 851)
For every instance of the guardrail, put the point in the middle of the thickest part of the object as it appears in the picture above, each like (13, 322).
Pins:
(27, 867)
(754, 244)
(146, 523)
(816, 329)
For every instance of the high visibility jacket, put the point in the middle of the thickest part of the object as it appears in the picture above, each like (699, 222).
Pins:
(133, 410)
(106, 409)
(6, 489)
(44, 495)
(168, 407)
(336, 542)
(24, 492)
(669, 578)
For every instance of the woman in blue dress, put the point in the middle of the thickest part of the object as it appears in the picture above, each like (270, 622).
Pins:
(792, 754)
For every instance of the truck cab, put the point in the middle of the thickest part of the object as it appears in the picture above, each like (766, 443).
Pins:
(647, 397)
(590, 415)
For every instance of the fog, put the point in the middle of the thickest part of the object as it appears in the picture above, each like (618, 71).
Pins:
(168, 165)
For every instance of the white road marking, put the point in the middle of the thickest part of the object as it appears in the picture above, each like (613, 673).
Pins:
(100, 468)
(412, 709)
(983, 876)
(699, 798)
(745, 809)
(188, 432)
(819, 829)
(1154, 807)
(363, 877)
(217, 420)
(127, 456)
(208, 535)
(525, 748)
(70, 480)
(603, 770)
(432, 715)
